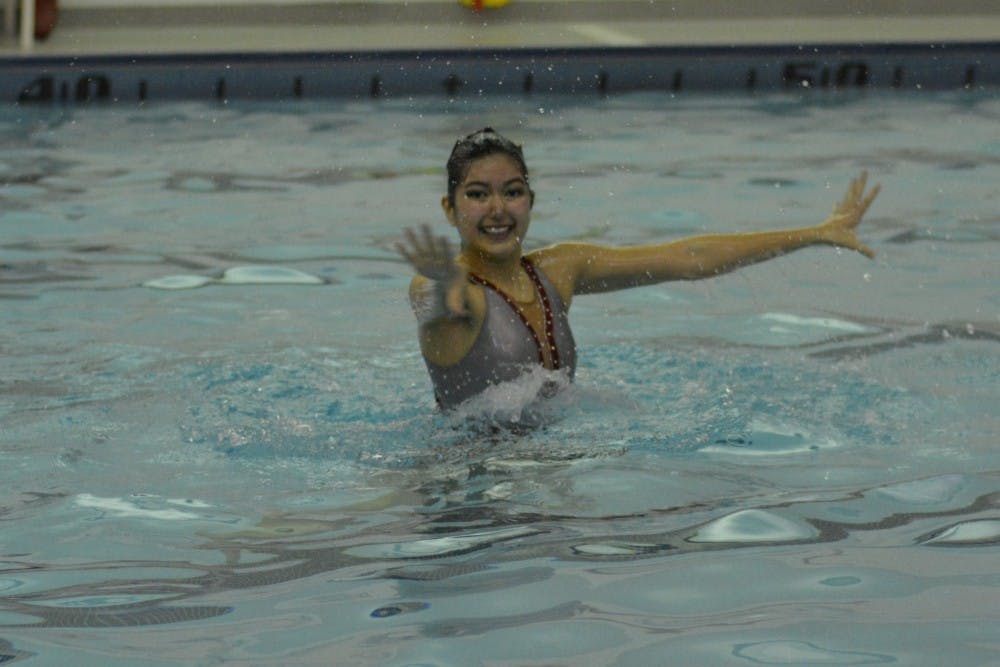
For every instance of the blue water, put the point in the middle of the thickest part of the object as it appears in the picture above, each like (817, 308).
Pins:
(218, 443)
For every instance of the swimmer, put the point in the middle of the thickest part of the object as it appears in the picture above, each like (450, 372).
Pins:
(489, 312)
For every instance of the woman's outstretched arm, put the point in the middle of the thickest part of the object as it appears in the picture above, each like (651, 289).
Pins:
(582, 268)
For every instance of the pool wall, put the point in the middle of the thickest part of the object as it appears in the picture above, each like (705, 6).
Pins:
(101, 52)
(454, 73)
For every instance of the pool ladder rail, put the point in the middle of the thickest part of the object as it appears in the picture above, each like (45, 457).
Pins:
(38, 18)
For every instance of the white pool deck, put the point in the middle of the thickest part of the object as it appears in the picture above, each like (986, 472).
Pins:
(99, 27)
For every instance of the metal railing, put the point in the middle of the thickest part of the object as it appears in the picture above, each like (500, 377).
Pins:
(27, 21)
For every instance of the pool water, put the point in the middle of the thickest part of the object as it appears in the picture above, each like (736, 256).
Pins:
(219, 444)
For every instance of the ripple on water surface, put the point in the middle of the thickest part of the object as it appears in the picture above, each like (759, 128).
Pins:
(239, 275)
(753, 527)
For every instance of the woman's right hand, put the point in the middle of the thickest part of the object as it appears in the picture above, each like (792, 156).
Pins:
(434, 258)
(430, 256)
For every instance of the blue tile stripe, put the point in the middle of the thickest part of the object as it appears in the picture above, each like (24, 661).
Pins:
(458, 72)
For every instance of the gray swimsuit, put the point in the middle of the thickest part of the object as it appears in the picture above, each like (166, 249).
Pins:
(506, 346)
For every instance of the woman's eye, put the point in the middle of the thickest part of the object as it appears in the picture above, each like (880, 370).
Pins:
(475, 195)
(514, 193)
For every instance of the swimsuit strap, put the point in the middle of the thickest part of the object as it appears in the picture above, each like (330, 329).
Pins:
(550, 332)
(546, 308)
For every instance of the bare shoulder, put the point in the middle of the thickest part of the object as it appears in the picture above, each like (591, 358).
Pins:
(562, 256)
(445, 341)
(563, 263)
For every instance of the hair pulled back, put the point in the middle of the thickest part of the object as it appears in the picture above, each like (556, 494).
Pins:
(477, 145)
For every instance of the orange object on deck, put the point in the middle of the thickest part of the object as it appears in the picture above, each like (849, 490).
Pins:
(480, 5)
(46, 15)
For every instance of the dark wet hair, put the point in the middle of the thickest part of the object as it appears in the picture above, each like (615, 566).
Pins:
(477, 145)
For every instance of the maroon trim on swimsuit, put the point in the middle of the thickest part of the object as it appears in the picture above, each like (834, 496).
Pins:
(550, 331)
(550, 334)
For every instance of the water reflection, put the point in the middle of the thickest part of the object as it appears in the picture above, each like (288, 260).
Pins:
(9, 654)
(805, 653)
(463, 549)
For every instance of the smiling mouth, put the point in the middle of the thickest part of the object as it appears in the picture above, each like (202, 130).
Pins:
(497, 231)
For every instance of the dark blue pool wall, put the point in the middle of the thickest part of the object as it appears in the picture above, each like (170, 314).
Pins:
(455, 73)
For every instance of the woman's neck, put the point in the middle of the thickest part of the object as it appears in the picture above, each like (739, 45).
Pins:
(507, 274)
(494, 269)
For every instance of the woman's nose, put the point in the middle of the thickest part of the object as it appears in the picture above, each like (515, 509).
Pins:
(497, 203)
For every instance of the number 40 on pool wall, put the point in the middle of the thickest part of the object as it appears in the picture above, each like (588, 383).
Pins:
(86, 88)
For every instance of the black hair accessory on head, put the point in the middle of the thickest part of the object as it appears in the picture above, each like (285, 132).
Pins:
(487, 135)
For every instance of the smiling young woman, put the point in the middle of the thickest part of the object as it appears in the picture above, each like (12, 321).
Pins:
(490, 313)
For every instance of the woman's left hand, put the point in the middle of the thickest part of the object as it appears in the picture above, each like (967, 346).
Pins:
(840, 227)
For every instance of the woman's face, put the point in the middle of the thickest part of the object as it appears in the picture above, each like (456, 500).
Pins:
(492, 208)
